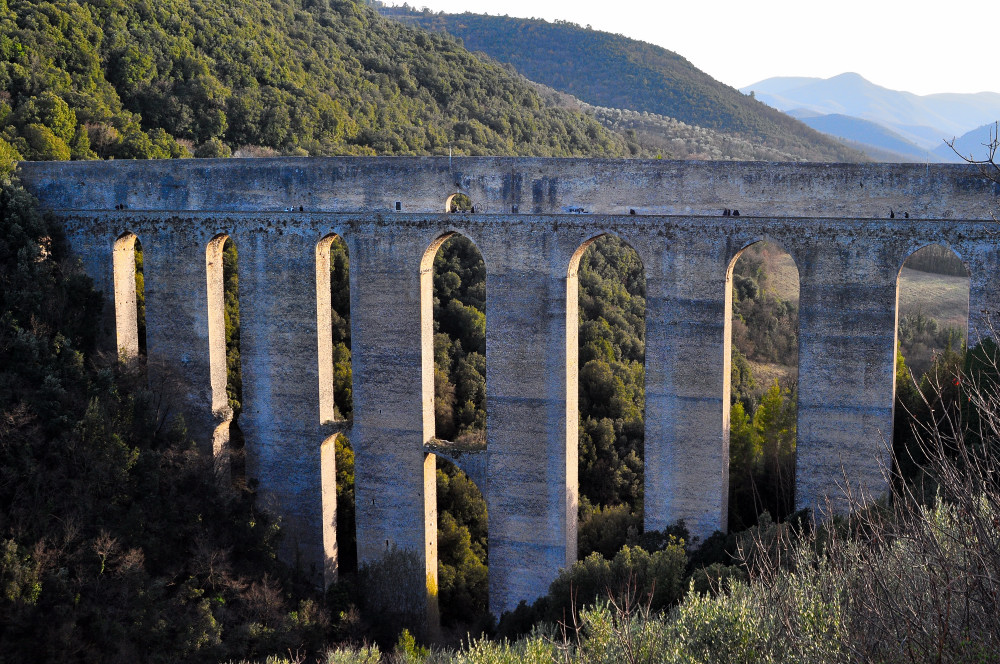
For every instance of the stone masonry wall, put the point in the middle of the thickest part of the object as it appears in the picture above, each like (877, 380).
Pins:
(532, 217)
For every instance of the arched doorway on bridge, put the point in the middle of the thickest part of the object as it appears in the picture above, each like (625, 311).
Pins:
(453, 322)
(459, 203)
(932, 322)
(333, 326)
(605, 404)
(222, 269)
(130, 301)
(761, 343)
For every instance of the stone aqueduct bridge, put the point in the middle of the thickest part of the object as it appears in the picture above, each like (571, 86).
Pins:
(532, 220)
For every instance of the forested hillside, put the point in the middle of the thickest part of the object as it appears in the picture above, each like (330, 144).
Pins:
(170, 78)
(614, 71)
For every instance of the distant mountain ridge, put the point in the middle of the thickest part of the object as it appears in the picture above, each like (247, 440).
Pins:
(971, 144)
(867, 133)
(613, 71)
(923, 120)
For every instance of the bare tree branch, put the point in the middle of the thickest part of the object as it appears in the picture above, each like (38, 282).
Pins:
(988, 166)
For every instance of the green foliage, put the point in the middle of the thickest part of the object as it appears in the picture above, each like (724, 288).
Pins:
(407, 649)
(340, 274)
(131, 80)
(462, 548)
(765, 327)
(727, 628)
(460, 341)
(762, 459)
(668, 137)
(140, 296)
(612, 375)
(743, 386)
(389, 598)
(460, 203)
(347, 548)
(213, 148)
(231, 290)
(761, 419)
(655, 579)
(533, 650)
(9, 157)
(605, 530)
(941, 392)
(41, 144)
(363, 655)
(19, 575)
(921, 338)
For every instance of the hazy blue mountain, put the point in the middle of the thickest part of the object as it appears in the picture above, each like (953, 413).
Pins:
(921, 119)
(971, 144)
(928, 136)
(866, 134)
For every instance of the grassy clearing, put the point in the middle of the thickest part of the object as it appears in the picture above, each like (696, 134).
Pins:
(765, 373)
(782, 274)
(938, 296)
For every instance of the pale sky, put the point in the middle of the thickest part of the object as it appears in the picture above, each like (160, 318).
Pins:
(920, 46)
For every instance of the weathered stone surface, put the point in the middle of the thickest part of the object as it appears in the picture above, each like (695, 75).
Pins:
(533, 218)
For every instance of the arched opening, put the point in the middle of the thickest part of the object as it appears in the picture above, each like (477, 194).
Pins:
(762, 324)
(329, 491)
(453, 282)
(339, 538)
(459, 202)
(932, 321)
(933, 306)
(130, 302)
(333, 311)
(606, 332)
(224, 351)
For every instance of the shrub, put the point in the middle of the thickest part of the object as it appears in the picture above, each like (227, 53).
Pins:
(728, 628)
(654, 579)
(43, 145)
(363, 655)
(606, 529)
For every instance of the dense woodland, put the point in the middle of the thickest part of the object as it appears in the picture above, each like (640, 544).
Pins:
(205, 77)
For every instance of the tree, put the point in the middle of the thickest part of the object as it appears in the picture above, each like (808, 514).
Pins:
(988, 166)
